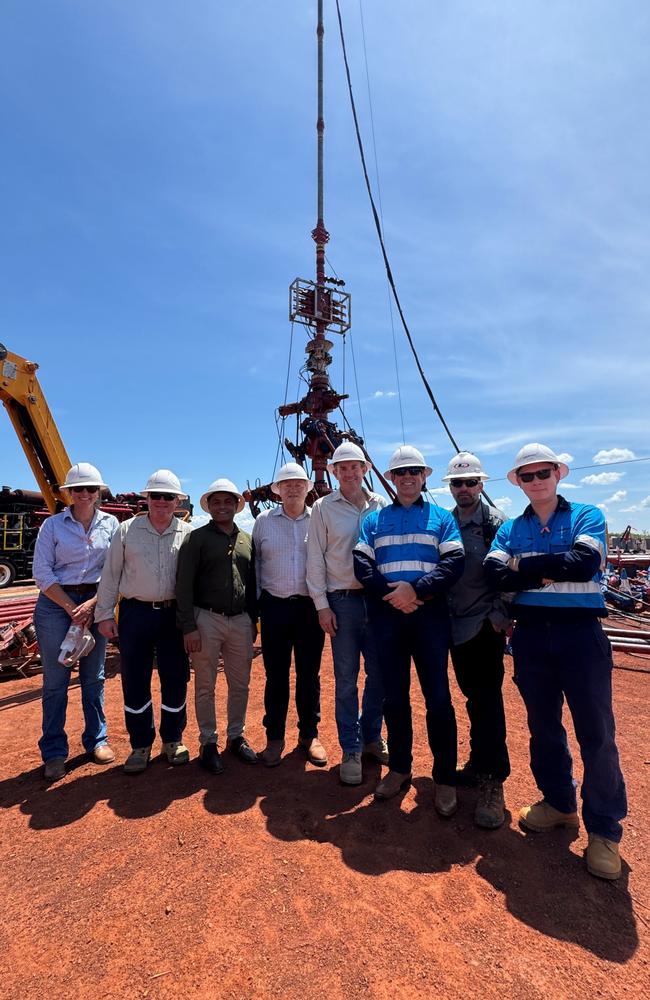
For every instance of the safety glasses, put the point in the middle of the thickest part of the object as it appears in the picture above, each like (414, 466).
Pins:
(459, 483)
(163, 496)
(527, 477)
(84, 489)
(409, 470)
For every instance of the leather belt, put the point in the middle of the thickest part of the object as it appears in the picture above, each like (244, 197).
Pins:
(291, 597)
(79, 588)
(217, 611)
(156, 605)
(357, 592)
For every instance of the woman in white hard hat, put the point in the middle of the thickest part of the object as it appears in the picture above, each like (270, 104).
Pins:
(70, 551)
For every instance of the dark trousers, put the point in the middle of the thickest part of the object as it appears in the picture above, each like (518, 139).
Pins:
(144, 632)
(572, 661)
(291, 624)
(424, 636)
(478, 664)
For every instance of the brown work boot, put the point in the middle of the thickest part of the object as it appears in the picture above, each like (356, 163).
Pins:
(316, 753)
(541, 817)
(271, 755)
(392, 785)
(103, 754)
(445, 800)
(603, 859)
(54, 769)
(490, 806)
(378, 750)
(137, 760)
(176, 753)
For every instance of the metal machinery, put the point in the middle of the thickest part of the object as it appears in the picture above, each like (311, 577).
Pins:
(324, 308)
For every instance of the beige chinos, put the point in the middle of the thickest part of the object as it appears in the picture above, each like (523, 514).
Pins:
(232, 638)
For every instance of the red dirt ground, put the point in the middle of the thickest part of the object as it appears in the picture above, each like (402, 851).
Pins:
(283, 883)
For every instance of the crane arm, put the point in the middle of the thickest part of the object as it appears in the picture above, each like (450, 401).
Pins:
(23, 398)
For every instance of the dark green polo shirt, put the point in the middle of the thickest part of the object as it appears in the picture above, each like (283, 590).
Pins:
(215, 570)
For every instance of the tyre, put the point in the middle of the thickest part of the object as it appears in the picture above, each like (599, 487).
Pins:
(7, 573)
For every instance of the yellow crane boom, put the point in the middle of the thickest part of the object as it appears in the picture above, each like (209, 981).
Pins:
(23, 398)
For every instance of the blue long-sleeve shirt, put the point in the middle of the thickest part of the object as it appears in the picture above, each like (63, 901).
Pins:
(570, 550)
(66, 553)
(420, 544)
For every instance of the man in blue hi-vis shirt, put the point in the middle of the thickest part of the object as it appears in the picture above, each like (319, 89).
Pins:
(552, 557)
(407, 557)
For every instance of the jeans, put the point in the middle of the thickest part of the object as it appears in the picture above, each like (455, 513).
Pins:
(291, 624)
(52, 623)
(572, 661)
(354, 638)
(424, 636)
(478, 664)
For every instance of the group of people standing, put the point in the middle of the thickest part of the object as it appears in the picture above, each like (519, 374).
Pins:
(390, 584)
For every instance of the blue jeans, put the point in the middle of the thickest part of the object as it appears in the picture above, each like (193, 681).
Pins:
(354, 638)
(52, 623)
(572, 661)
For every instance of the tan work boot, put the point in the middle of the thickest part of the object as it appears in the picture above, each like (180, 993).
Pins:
(541, 817)
(316, 753)
(378, 750)
(271, 755)
(176, 753)
(445, 800)
(137, 760)
(603, 859)
(392, 785)
(103, 754)
(350, 771)
(54, 769)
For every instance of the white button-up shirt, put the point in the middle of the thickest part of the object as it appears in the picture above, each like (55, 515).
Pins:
(280, 545)
(141, 563)
(333, 532)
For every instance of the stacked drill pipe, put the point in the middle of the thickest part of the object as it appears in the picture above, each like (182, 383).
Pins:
(629, 640)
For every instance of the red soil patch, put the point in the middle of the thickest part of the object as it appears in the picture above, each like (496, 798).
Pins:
(283, 883)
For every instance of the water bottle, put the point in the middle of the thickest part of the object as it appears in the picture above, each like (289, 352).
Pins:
(78, 642)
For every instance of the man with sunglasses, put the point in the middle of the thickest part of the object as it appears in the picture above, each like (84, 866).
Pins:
(141, 567)
(408, 556)
(552, 557)
(478, 621)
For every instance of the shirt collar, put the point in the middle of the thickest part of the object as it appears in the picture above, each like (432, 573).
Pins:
(562, 504)
(154, 531)
(214, 527)
(279, 512)
(416, 503)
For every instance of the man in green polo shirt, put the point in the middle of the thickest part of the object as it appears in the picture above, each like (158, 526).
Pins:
(216, 601)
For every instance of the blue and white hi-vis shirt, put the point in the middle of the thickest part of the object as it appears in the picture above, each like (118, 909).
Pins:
(408, 543)
(569, 550)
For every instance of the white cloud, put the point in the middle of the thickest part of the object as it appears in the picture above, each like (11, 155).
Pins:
(602, 506)
(380, 394)
(570, 486)
(245, 520)
(503, 502)
(565, 457)
(617, 497)
(602, 479)
(439, 490)
(199, 519)
(606, 457)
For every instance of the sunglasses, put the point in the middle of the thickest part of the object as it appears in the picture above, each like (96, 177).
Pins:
(163, 496)
(527, 477)
(409, 470)
(459, 483)
(84, 489)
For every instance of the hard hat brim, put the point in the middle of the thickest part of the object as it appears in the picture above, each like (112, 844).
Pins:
(85, 482)
(147, 493)
(274, 486)
(466, 475)
(241, 503)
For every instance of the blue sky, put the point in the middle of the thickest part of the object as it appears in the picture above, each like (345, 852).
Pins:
(158, 191)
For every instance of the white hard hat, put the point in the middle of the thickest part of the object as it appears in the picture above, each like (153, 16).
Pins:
(222, 486)
(291, 471)
(530, 454)
(407, 455)
(348, 452)
(464, 465)
(83, 474)
(164, 481)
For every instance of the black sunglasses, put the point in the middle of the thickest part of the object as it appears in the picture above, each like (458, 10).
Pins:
(527, 477)
(459, 483)
(84, 489)
(163, 496)
(409, 470)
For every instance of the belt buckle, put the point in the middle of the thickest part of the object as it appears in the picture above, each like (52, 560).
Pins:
(157, 605)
